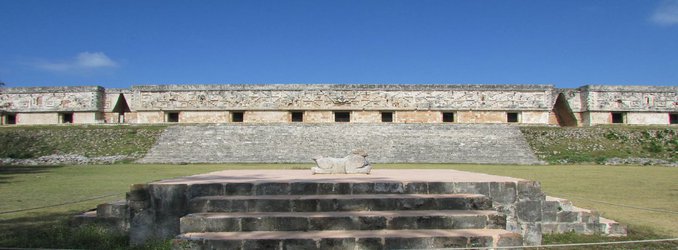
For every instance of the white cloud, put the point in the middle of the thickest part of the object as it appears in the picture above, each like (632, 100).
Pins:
(666, 13)
(82, 62)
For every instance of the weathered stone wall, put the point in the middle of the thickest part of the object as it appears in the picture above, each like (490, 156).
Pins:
(343, 97)
(52, 99)
(272, 103)
(203, 116)
(631, 98)
(37, 118)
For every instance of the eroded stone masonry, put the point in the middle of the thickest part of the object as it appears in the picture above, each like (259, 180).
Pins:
(356, 103)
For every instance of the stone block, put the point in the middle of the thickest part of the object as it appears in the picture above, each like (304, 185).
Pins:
(300, 244)
(532, 234)
(362, 188)
(197, 190)
(384, 204)
(496, 221)
(388, 188)
(369, 244)
(217, 205)
(238, 189)
(250, 224)
(270, 205)
(550, 211)
(241, 206)
(135, 206)
(589, 217)
(408, 243)
(400, 223)
(223, 244)
(262, 244)
(503, 192)
(449, 242)
(568, 216)
(472, 188)
(334, 188)
(480, 203)
(529, 190)
(113, 210)
(219, 225)
(528, 211)
(416, 188)
(436, 222)
(470, 222)
(508, 240)
(355, 205)
(371, 223)
(304, 205)
(327, 205)
(303, 188)
(578, 228)
(142, 227)
(440, 188)
(480, 241)
(337, 244)
(138, 192)
(333, 223)
(452, 203)
(169, 199)
(270, 188)
(417, 204)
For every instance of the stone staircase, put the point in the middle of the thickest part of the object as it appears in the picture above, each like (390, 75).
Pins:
(298, 143)
(338, 216)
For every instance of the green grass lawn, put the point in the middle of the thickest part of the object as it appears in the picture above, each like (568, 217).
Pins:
(27, 187)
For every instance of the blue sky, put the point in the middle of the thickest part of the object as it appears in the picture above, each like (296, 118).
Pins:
(122, 43)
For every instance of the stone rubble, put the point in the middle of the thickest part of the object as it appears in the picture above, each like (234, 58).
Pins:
(65, 159)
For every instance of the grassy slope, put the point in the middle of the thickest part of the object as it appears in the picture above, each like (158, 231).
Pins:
(596, 144)
(87, 140)
(24, 187)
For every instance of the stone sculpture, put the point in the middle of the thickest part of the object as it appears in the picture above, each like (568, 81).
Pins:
(355, 163)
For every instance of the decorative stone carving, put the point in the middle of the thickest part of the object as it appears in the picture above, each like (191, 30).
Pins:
(355, 163)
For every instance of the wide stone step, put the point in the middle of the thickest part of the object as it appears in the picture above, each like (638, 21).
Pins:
(298, 143)
(346, 239)
(351, 220)
(327, 203)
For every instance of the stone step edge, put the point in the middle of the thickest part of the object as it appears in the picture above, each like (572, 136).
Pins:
(500, 237)
(338, 196)
(393, 213)
(603, 225)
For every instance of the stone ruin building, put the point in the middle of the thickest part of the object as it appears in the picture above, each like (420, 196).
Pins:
(329, 103)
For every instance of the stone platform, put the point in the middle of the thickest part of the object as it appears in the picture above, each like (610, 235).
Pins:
(280, 209)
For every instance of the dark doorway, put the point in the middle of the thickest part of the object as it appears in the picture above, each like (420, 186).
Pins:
(386, 116)
(297, 116)
(448, 117)
(66, 117)
(563, 112)
(512, 117)
(342, 116)
(121, 108)
(673, 118)
(617, 117)
(173, 117)
(237, 116)
(10, 119)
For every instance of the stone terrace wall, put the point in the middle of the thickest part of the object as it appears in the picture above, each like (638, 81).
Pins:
(342, 97)
(631, 98)
(298, 143)
(52, 99)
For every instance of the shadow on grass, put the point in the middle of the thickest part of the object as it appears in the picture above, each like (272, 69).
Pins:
(53, 230)
(7, 172)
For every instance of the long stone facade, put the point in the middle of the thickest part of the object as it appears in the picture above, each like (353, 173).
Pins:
(354, 103)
